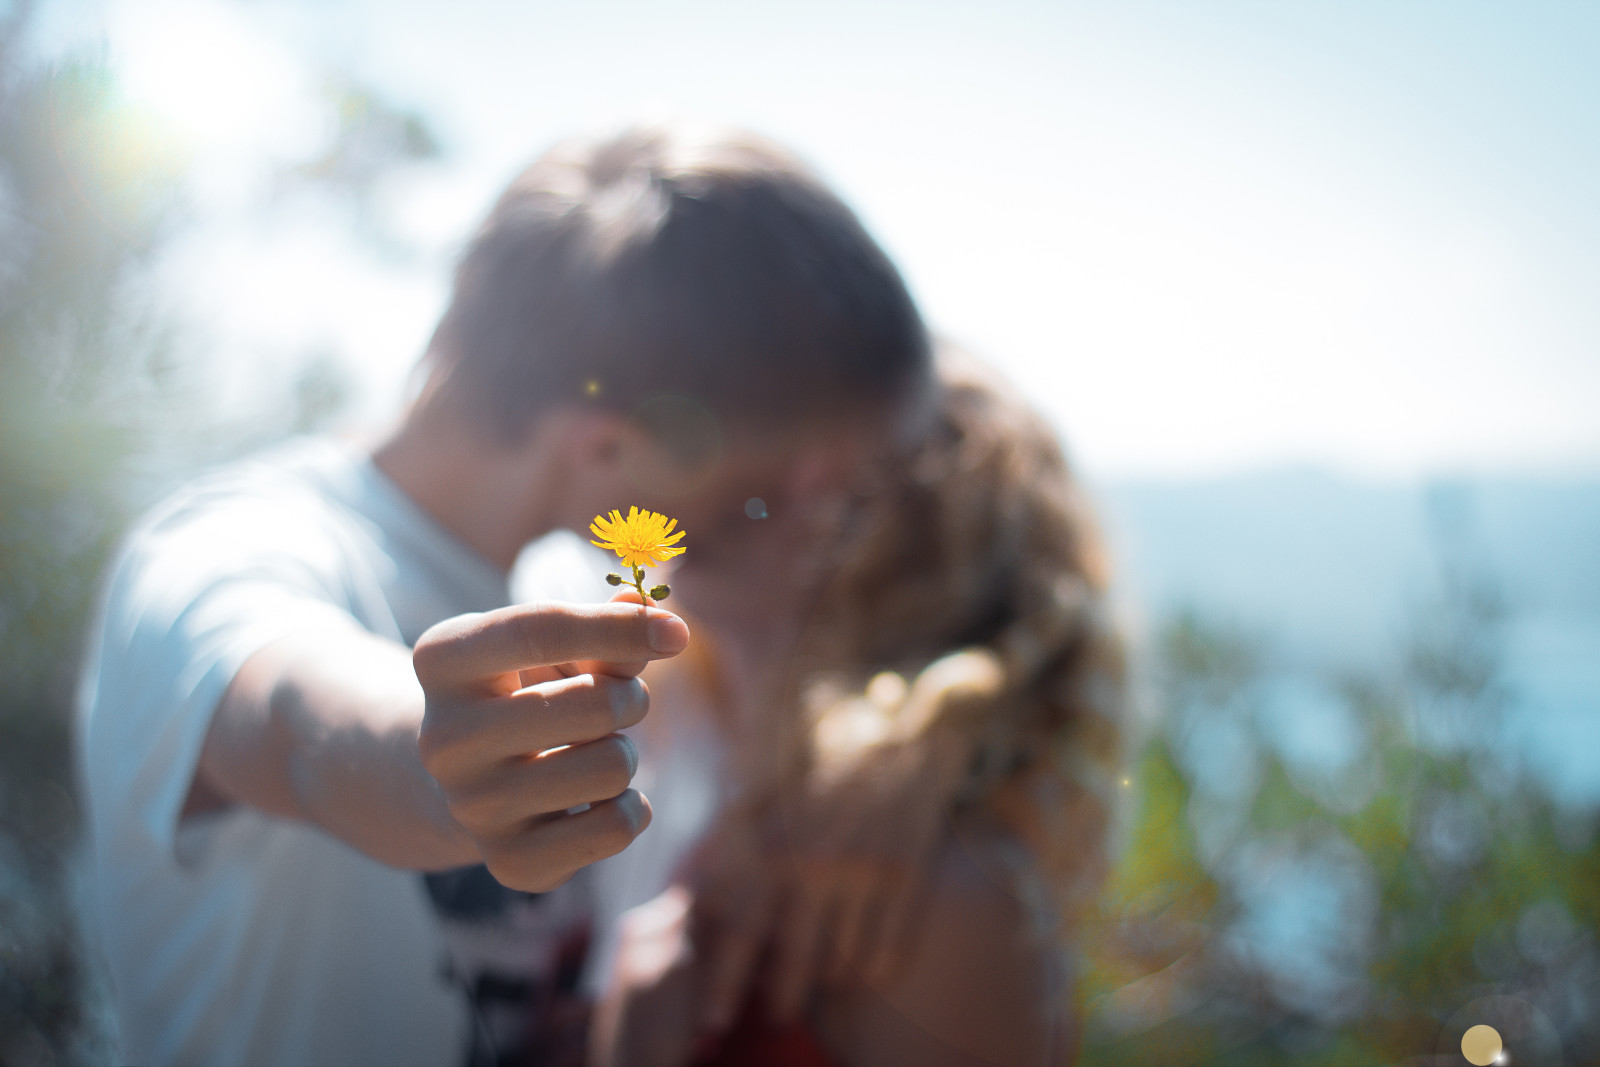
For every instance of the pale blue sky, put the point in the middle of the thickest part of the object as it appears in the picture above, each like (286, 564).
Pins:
(1205, 237)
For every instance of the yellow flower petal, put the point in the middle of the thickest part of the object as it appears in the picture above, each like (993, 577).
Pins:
(643, 539)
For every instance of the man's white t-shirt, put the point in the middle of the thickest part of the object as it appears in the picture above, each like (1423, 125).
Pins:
(239, 938)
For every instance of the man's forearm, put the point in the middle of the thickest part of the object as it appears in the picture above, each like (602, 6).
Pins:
(324, 729)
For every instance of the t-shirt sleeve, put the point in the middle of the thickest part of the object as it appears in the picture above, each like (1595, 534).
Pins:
(562, 566)
(196, 590)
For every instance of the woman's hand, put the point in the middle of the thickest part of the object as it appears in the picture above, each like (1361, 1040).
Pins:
(860, 842)
(868, 820)
(823, 885)
(646, 1016)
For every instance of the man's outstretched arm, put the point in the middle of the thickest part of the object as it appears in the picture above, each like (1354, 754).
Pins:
(471, 748)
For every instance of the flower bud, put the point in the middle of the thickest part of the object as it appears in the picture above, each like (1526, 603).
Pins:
(613, 579)
(660, 592)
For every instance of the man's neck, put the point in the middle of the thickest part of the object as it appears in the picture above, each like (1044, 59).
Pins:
(489, 497)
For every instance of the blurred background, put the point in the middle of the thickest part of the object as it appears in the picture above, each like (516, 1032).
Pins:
(1310, 290)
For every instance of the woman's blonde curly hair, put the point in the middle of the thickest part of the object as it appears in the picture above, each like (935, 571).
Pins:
(973, 600)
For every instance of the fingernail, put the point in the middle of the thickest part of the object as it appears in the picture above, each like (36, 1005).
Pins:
(627, 698)
(632, 753)
(666, 633)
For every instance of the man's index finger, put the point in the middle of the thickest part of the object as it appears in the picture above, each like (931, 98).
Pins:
(471, 649)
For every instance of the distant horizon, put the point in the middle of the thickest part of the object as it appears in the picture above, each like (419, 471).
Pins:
(1570, 476)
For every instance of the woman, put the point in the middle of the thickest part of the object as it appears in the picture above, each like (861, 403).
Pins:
(911, 804)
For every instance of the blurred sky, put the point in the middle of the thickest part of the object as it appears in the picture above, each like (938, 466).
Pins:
(1205, 237)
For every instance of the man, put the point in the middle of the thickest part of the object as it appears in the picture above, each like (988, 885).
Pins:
(683, 321)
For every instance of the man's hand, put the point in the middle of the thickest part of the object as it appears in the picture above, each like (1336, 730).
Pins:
(520, 726)
(325, 728)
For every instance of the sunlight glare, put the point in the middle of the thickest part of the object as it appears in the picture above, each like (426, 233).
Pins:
(218, 82)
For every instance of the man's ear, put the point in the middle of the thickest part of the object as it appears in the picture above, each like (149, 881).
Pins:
(594, 445)
(579, 464)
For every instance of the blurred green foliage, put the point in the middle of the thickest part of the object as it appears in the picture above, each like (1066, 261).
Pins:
(86, 197)
(99, 413)
(1459, 878)
(79, 367)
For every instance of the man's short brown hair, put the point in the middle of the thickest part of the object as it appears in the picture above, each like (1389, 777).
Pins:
(670, 260)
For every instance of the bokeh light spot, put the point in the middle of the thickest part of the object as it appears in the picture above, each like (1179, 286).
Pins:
(755, 508)
(1481, 1045)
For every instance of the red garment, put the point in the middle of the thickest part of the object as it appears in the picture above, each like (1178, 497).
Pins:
(755, 1042)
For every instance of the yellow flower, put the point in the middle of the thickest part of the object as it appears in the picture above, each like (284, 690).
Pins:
(643, 539)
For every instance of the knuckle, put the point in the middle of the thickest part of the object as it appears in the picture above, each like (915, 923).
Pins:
(433, 744)
(427, 744)
(522, 863)
(442, 742)
(424, 659)
(433, 650)
(477, 808)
